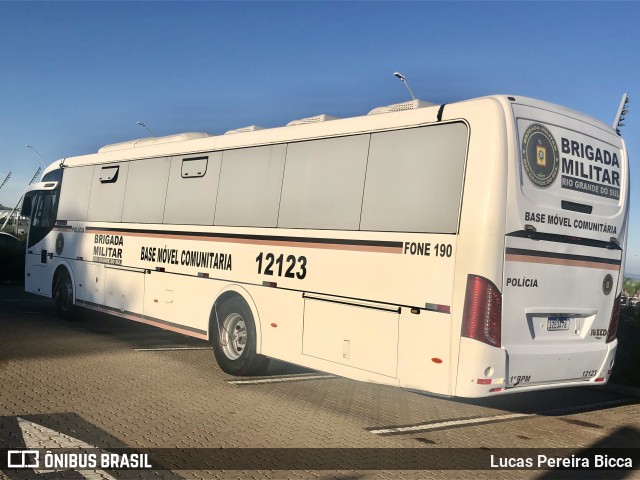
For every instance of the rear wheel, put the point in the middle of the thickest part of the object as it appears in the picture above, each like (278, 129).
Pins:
(233, 335)
(63, 297)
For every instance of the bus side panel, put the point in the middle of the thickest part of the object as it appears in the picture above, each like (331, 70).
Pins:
(179, 300)
(124, 290)
(280, 316)
(38, 274)
(480, 245)
(89, 279)
(424, 354)
(353, 335)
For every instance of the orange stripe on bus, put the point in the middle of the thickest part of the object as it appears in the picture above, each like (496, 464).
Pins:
(560, 261)
(278, 243)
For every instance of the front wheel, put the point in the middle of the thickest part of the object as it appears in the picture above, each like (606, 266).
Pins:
(233, 335)
(63, 297)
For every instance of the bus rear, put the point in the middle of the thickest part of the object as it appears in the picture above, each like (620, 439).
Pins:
(552, 318)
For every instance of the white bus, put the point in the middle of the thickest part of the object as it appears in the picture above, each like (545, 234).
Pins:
(467, 249)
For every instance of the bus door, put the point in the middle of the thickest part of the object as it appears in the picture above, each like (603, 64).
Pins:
(566, 218)
(40, 205)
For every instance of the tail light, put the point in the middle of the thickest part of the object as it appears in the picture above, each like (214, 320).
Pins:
(613, 324)
(482, 317)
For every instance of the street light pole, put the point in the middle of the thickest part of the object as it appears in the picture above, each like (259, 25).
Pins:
(37, 153)
(144, 125)
(404, 80)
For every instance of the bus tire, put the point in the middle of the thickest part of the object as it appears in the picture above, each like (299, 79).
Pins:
(63, 296)
(233, 335)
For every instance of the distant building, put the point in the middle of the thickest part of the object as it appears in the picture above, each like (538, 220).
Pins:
(18, 227)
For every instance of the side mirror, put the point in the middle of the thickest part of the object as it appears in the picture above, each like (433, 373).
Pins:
(25, 211)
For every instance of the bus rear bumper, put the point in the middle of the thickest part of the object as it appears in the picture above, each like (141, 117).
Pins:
(491, 373)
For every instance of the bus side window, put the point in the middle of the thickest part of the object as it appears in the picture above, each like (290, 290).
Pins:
(192, 189)
(27, 205)
(250, 186)
(194, 167)
(75, 193)
(323, 183)
(107, 193)
(146, 190)
(42, 210)
(36, 212)
(47, 217)
(43, 218)
(43, 214)
(414, 179)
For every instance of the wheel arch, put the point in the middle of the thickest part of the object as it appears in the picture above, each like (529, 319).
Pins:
(63, 266)
(236, 291)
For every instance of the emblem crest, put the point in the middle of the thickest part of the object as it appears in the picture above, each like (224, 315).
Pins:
(540, 157)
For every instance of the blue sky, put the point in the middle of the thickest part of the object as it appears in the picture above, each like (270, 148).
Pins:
(78, 75)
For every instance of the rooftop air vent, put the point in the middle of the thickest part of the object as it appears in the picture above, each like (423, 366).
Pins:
(250, 128)
(146, 142)
(318, 118)
(400, 107)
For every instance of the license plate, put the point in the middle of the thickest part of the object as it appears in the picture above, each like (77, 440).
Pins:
(556, 323)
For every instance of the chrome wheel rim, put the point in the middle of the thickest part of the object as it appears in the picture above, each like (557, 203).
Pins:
(233, 336)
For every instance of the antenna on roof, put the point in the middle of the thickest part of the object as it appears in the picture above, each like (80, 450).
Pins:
(622, 112)
(144, 125)
(404, 80)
